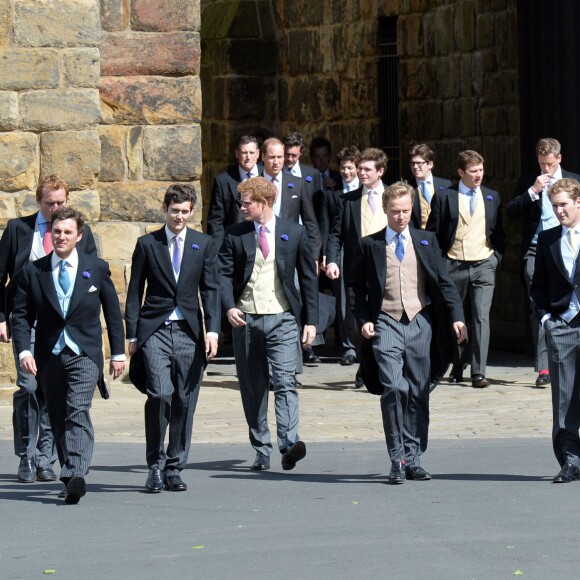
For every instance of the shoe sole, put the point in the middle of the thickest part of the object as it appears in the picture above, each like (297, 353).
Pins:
(260, 468)
(46, 478)
(75, 489)
(396, 481)
(412, 478)
(21, 480)
(294, 455)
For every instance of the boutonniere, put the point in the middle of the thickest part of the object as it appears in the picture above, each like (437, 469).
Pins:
(284, 237)
(290, 186)
(86, 274)
(194, 247)
(308, 178)
(424, 243)
(489, 197)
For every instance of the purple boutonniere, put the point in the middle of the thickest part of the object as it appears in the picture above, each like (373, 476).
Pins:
(284, 237)
(424, 243)
(291, 186)
(195, 247)
(308, 178)
(489, 198)
(86, 274)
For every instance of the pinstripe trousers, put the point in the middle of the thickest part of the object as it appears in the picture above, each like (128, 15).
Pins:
(563, 342)
(69, 381)
(402, 353)
(174, 363)
(268, 341)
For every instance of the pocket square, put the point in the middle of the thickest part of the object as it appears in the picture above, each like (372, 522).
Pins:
(93, 289)
(294, 196)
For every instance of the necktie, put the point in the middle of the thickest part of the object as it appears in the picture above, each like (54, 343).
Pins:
(425, 192)
(400, 248)
(248, 175)
(176, 258)
(263, 242)
(63, 277)
(573, 241)
(472, 201)
(47, 240)
(372, 202)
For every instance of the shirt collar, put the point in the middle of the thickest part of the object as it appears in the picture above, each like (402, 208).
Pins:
(428, 179)
(278, 177)
(390, 234)
(270, 226)
(170, 235)
(244, 174)
(40, 219)
(464, 189)
(379, 188)
(72, 260)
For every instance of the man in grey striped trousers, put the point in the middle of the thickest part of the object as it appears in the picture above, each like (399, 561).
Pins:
(258, 261)
(400, 277)
(64, 293)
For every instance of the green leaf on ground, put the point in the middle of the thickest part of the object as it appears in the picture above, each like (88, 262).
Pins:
(356, 502)
(47, 571)
(198, 547)
(518, 573)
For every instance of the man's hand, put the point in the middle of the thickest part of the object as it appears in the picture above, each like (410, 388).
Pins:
(308, 334)
(460, 331)
(211, 346)
(116, 367)
(28, 365)
(368, 330)
(132, 348)
(541, 182)
(236, 317)
(333, 271)
(4, 332)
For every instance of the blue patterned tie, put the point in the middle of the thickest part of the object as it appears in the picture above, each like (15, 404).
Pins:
(400, 248)
(176, 258)
(425, 192)
(472, 201)
(63, 277)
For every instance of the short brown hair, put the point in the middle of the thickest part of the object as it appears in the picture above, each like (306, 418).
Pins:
(467, 158)
(376, 155)
(268, 142)
(548, 145)
(259, 189)
(50, 183)
(68, 213)
(423, 151)
(566, 185)
(351, 153)
(396, 190)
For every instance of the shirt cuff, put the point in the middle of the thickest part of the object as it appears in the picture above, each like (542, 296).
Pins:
(131, 340)
(533, 195)
(544, 318)
(23, 354)
(212, 335)
(118, 358)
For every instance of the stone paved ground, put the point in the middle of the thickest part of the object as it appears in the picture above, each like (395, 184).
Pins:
(332, 410)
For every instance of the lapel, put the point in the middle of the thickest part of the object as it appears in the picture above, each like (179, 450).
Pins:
(287, 192)
(556, 252)
(161, 252)
(489, 205)
(82, 284)
(189, 257)
(281, 246)
(422, 250)
(378, 250)
(453, 202)
(356, 210)
(248, 240)
(234, 181)
(26, 237)
(44, 275)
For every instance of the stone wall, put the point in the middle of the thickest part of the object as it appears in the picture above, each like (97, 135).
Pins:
(106, 94)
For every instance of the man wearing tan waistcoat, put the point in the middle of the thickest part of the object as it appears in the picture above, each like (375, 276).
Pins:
(466, 219)
(399, 279)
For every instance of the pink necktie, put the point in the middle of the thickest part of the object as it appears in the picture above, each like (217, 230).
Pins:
(263, 242)
(372, 202)
(47, 241)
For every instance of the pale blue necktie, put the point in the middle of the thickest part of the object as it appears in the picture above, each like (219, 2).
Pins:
(472, 201)
(400, 248)
(425, 192)
(63, 277)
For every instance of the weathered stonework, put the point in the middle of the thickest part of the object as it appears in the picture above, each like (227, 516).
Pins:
(8, 111)
(116, 241)
(160, 16)
(7, 209)
(88, 203)
(114, 15)
(81, 67)
(113, 153)
(139, 201)
(19, 163)
(74, 155)
(28, 68)
(5, 20)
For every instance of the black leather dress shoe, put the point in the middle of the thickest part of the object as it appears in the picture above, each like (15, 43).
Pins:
(358, 380)
(417, 472)
(45, 474)
(75, 489)
(434, 382)
(261, 463)
(348, 360)
(292, 455)
(175, 483)
(397, 474)
(154, 483)
(308, 357)
(543, 380)
(26, 472)
(479, 382)
(62, 492)
(568, 473)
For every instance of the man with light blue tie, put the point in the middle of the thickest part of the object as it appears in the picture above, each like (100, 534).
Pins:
(64, 292)
(532, 204)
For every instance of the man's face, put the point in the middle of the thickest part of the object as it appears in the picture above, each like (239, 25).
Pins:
(421, 169)
(472, 176)
(274, 159)
(549, 163)
(320, 158)
(292, 156)
(65, 236)
(252, 210)
(177, 214)
(368, 174)
(566, 209)
(51, 201)
(247, 156)
(398, 211)
(347, 171)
